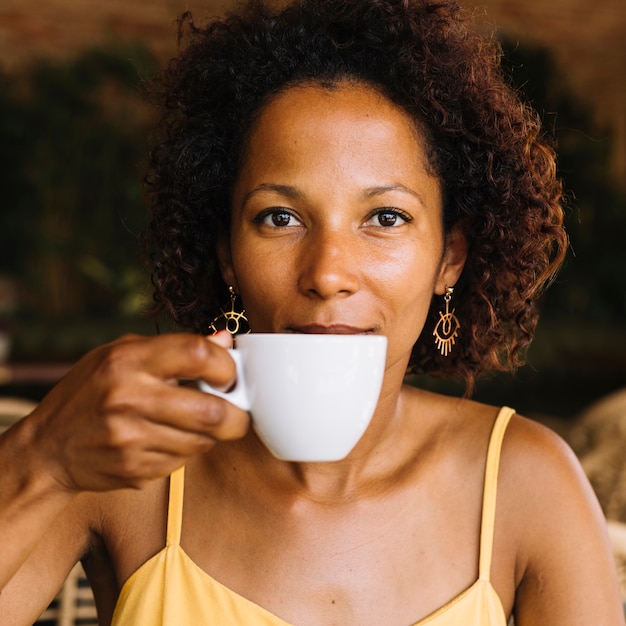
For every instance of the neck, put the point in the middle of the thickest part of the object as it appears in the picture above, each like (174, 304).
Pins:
(375, 465)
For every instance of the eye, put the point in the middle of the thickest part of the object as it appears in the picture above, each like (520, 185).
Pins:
(388, 218)
(276, 218)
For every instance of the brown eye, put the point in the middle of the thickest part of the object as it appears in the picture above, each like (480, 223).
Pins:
(281, 218)
(387, 218)
(277, 218)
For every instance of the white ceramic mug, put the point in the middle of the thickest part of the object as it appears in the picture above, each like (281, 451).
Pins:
(311, 397)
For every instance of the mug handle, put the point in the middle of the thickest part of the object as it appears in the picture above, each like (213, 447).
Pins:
(238, 394)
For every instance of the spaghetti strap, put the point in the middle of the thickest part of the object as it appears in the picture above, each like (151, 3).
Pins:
(490, 489)
(175, 506)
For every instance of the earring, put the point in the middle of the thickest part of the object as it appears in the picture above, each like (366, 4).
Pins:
(230, 320)
(447, 328)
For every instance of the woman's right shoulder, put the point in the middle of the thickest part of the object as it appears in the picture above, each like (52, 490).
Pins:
(122, 529)
(129, 524)
(112, 534)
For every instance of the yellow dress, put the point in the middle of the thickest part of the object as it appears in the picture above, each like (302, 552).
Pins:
(171, 590)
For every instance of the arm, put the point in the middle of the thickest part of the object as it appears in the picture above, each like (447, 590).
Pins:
(568, 574)
(45, 563)
(117, 420)
(30, 500)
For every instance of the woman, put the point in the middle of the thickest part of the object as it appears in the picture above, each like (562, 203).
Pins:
(344, 166)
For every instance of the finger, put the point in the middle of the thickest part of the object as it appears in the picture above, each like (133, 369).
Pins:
(140, 450)
(222, 338)
(192, 411)
(118, 471)
(172, 357)
(173, 440)
(183, 408)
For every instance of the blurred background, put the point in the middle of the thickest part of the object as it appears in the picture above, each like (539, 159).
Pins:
(73, 135)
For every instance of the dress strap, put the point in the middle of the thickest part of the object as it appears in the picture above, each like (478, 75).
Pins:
(490, 490)
(175, 506)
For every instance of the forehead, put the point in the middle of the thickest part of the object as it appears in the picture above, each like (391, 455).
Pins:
(344, 101)
(347, 122)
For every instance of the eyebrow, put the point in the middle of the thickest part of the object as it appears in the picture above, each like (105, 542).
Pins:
(287, 191)
(293, 193)
(379, 190)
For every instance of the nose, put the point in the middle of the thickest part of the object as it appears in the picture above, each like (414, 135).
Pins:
(329, 265)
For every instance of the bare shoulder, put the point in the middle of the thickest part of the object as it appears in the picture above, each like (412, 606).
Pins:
(527, 440)
(129, 525)
(125, 528)
(542, 481)
(565, 571)
(539, 463)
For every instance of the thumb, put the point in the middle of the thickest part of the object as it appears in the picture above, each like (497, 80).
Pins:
(222, 338)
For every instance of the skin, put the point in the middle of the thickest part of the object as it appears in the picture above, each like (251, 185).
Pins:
(336, 227)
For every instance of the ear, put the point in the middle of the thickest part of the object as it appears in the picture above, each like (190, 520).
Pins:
(224, 258)
(454, 257)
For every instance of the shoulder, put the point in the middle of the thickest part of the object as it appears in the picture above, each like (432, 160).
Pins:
(564, 569)
(542, 480)
(127, 527)
(527, 440)
(539, 463)
(543, 495)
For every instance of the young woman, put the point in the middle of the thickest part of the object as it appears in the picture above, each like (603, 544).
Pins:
(344, 166)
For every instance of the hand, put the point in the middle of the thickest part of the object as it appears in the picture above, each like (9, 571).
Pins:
(119, 418)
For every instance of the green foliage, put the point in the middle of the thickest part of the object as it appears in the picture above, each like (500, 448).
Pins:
(72, 143)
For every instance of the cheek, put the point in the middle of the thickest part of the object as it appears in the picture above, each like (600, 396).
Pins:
(407, 321)
(411, 310)
(411, 271)
(409, 284)
(261, 282)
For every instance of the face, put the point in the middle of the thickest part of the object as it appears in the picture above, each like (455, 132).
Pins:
(336, 220)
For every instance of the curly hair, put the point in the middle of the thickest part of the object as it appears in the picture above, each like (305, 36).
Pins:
(484, 143)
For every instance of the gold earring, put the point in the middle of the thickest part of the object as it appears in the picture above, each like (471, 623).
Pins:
(230, 320)
(447, 328)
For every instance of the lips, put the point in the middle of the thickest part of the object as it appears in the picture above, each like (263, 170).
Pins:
(332, 329)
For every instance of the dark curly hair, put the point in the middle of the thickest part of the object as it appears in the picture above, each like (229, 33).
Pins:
(498, 174)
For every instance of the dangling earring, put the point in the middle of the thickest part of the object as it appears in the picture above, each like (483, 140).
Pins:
(230, 320)
(448, 326)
